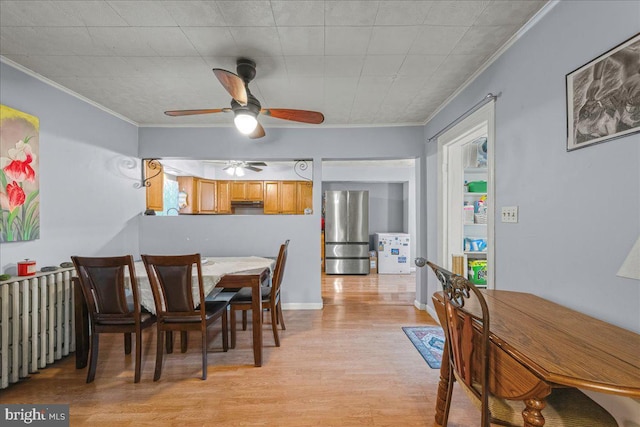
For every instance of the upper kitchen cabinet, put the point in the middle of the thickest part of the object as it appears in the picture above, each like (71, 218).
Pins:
(246, 191)
(154, 182)
(204, 196)
(188, 190)
(207, 196)
(305, 197)
(214, 196)
(223, 197)
(280, 197)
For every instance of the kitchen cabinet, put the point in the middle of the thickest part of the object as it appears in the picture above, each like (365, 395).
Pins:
(207, 196)
(155, 190)
(189, 186)
(254, 191)
(280, 197)
(247, 191)
(238, 191)
(304, 196)
(223, 197)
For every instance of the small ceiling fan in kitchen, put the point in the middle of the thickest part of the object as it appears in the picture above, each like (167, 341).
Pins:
(245, 106)
(237, 168)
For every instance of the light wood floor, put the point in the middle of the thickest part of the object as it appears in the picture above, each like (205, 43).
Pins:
(349, 364)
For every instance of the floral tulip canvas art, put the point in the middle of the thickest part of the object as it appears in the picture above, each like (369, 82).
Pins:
(19, 176)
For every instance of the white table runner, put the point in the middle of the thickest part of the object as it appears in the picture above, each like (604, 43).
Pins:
(213, 268)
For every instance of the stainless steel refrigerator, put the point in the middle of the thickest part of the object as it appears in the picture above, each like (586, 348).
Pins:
(346, 232)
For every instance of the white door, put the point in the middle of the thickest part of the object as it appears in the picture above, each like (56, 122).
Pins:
(452, 164)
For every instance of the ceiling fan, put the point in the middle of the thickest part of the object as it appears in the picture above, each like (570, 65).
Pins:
(245, 106)
(236, 168)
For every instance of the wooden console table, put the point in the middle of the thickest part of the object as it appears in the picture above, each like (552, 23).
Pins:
(537, 345)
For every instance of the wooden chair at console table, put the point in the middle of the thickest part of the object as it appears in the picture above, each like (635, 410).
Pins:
(170, 277)
(468, 351)
(102, 281)
(270, 299)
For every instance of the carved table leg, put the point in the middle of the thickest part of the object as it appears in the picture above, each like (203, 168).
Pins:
(442, 387)
(532, 414)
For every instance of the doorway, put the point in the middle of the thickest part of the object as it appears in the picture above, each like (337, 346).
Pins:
(393, 197)
(466, 197)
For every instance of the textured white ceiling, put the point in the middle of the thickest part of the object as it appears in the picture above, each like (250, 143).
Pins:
(358, 62)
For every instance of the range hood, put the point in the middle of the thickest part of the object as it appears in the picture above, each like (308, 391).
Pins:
(247, 203)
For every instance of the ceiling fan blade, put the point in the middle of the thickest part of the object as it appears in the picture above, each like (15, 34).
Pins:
(194, 112)
(256, 163)
(303, 116)
(258, 132)
(233, 84)
(253, 168)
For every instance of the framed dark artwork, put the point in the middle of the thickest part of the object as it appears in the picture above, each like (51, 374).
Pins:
(603, 96)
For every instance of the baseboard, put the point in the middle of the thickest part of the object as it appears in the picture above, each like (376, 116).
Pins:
(432, 313)
(302, 306)
(430, 310)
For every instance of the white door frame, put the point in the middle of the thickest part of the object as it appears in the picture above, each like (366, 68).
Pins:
(450, 170)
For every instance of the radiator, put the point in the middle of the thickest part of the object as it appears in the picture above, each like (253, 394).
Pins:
(36, 323)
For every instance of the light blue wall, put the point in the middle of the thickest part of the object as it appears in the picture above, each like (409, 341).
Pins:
(579, 211)
(88, 165)
(262, 234)
(282, 143)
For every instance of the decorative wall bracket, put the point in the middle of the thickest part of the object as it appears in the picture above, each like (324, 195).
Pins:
(151, 165)
(301, 166)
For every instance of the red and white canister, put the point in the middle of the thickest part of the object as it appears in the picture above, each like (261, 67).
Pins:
(26, 268)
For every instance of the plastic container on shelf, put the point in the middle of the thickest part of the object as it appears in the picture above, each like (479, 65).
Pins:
(477, 187)
(468, 212)
(478, 272)
(480, 218)
(475, 245)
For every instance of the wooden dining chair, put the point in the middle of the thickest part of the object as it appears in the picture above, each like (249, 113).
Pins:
(103, 284)
(468, 341)
(171, 279)
(270, 295)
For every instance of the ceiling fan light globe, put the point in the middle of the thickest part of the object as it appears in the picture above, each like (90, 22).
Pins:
(229, 170)
(245, 123)
(239, 171)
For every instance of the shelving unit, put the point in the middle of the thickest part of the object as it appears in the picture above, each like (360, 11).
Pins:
(474, 234)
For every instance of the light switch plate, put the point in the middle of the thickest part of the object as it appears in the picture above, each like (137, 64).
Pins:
(509, 214)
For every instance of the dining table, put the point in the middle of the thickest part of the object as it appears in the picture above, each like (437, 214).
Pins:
(537, 345)
(217, 273)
